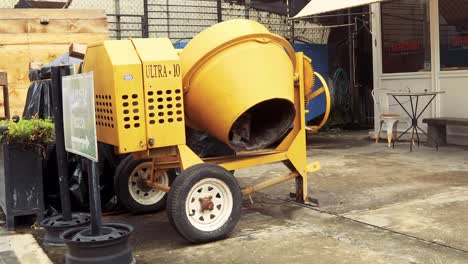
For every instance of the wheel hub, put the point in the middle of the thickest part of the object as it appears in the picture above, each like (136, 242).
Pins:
(206, 203)
(209, 204)
(139, 190)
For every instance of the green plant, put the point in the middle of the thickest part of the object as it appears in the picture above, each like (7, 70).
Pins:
(28, 131)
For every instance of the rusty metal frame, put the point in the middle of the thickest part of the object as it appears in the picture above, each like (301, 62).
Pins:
(242, 160)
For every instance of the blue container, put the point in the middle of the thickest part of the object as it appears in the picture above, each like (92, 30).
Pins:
(180, 44)
(319, 55)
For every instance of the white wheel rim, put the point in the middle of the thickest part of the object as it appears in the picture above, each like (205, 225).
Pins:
(142, 193)
(221, 196)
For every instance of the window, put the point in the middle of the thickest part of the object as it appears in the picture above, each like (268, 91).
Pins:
(405, 36)
(453, 28)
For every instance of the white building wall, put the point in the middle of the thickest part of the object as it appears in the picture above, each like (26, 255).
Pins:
(454, 103)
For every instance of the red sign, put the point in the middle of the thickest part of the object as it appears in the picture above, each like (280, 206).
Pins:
(405, 46)
(459, 41)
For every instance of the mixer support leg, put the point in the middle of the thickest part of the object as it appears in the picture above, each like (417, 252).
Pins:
(299, 189)
(299, 196)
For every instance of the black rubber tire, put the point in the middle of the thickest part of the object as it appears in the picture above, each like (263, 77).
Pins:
(122, 172)
(178, 194)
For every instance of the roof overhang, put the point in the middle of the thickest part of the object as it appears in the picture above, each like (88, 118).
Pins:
(315, 7)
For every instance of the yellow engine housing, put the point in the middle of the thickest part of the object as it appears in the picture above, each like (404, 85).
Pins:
(138, 93)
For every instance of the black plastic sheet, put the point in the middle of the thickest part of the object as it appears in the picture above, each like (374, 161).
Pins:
(78, 179)
(43, 73)
(39, 98)
(39, 105)
(38, 101)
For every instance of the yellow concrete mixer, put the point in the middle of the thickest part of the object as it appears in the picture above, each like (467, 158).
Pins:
(236, 84)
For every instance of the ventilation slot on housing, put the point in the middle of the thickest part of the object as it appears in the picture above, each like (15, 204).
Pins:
(104, 114)
(165, 106)
(130, 112)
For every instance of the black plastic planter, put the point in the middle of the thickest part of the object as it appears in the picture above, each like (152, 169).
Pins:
(110, 247)
(21, 190)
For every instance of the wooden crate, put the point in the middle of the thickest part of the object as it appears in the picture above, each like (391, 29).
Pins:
(41, 35)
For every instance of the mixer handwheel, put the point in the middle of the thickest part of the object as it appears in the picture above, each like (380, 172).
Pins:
(322, 90)
(204, 203)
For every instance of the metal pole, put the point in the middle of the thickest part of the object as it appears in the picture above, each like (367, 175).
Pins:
(167, 19)
(351, 65)
(94, 199)
(219, 11)
(117, 18)
(290, 6)
(62, 162)
(247, 9)
(426, 37)
(145, 22)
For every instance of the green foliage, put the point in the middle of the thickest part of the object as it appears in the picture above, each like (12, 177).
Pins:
(32, 131)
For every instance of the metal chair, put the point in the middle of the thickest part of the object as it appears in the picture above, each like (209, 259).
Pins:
(390, 119)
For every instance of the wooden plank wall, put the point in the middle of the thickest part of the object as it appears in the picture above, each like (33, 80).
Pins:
(23, 39)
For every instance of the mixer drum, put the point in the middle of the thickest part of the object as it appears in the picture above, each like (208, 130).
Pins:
(239, 84)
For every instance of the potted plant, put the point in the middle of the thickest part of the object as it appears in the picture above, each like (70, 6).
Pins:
(23, 145)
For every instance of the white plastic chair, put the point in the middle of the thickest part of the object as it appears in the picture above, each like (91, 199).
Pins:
(391, 120)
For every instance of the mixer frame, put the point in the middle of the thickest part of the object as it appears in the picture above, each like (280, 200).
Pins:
(291, 151)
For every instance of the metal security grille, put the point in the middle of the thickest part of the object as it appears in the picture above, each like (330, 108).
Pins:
(123, 26)
(276, 23)
(179, 20)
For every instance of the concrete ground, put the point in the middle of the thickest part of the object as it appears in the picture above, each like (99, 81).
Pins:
(377, 205)
(20, 248)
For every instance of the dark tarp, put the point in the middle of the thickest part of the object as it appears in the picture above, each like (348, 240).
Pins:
(39, 104)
